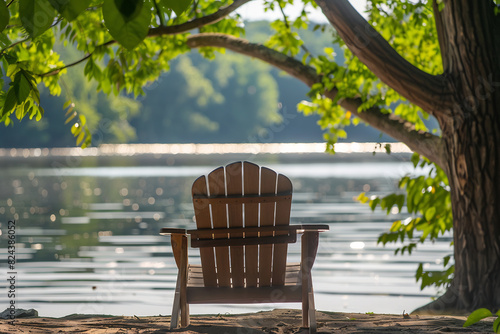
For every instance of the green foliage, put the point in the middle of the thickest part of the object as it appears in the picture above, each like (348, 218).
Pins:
(70, 9)
(479, 315)
(36, 16)
(127, 20)
(82, 23)
(178, 6)
(78, 129)
(428, 202)
(22, 98)
(4, 16)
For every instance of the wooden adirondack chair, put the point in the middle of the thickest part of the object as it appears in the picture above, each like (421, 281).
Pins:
(242, 215)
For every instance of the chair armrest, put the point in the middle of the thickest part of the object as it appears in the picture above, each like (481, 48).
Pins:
(280, 228)
(311, 228)
(170, 230)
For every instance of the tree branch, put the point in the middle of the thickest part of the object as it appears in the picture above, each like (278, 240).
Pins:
(87, 56)
(295, 68)
(429, 92)
(198, 22)
(421, 142)
(442, 35)
(167, 30)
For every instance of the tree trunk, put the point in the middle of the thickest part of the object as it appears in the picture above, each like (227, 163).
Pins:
(472, 149)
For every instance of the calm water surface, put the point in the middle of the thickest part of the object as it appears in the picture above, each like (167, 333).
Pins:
(87, 237)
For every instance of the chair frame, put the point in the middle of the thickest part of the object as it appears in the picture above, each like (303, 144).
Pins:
(191, 287)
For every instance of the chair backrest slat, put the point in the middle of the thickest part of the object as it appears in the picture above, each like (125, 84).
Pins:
(217, 187)
(251, 185)
(202, 214)
(238, 196)
(234, 180)
(267, 186)
(282, 218)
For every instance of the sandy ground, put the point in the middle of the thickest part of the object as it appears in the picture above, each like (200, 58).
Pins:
(277, 321)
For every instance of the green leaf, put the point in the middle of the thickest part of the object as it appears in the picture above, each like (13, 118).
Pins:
(496, 324)
(73, 115)
(10, 101)
(36, 16)
(67, 104)
(22, 87)
(80, 138)
(374, 202)
(4, 41)
(362, 198)
(4, 16)
(127, 20)
(430, 212)
(477, 315)
(70, 9)
(415, 158)
(83, 120)
(178, 6)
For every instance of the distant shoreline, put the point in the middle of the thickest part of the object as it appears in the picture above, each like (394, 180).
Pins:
(198, 154)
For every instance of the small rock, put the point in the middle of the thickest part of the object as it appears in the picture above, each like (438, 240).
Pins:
(19, 313)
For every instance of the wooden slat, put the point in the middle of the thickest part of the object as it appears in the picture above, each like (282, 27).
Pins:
(300, 228)
(266, 241)
(267, 186)
(202, 295)
(202, 214)
(292, 276)
(208, 233)
(251, 187)
(297, 228)
(216, 186)
(234, 179)
(243, 199)
(282, 219)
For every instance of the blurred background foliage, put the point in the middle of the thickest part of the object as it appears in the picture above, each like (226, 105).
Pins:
(230, 98)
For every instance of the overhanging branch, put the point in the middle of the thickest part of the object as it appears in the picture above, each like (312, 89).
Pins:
(167, 30)
(421, 142)
(430, 92)
(198, 22)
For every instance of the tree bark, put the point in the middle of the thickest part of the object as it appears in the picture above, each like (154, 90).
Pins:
(473, 156)
(472, 149)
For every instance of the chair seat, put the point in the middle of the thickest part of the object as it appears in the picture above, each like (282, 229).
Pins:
(290, 292)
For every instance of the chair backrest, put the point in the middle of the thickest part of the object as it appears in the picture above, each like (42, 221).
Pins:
(243, 194)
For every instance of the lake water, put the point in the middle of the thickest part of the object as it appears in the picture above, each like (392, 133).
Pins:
(87, 231)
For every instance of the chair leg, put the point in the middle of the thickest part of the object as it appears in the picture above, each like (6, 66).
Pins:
(305, 306)
(312, 309)
(176, 308)
(184, 313)
(180, 299)
(183, 276)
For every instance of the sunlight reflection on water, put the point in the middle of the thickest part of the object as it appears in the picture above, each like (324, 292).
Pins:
(87, 251)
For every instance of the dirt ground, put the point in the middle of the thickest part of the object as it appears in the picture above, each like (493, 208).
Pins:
(276, 321)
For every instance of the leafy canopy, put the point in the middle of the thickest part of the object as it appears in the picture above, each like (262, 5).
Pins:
(30, 28)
